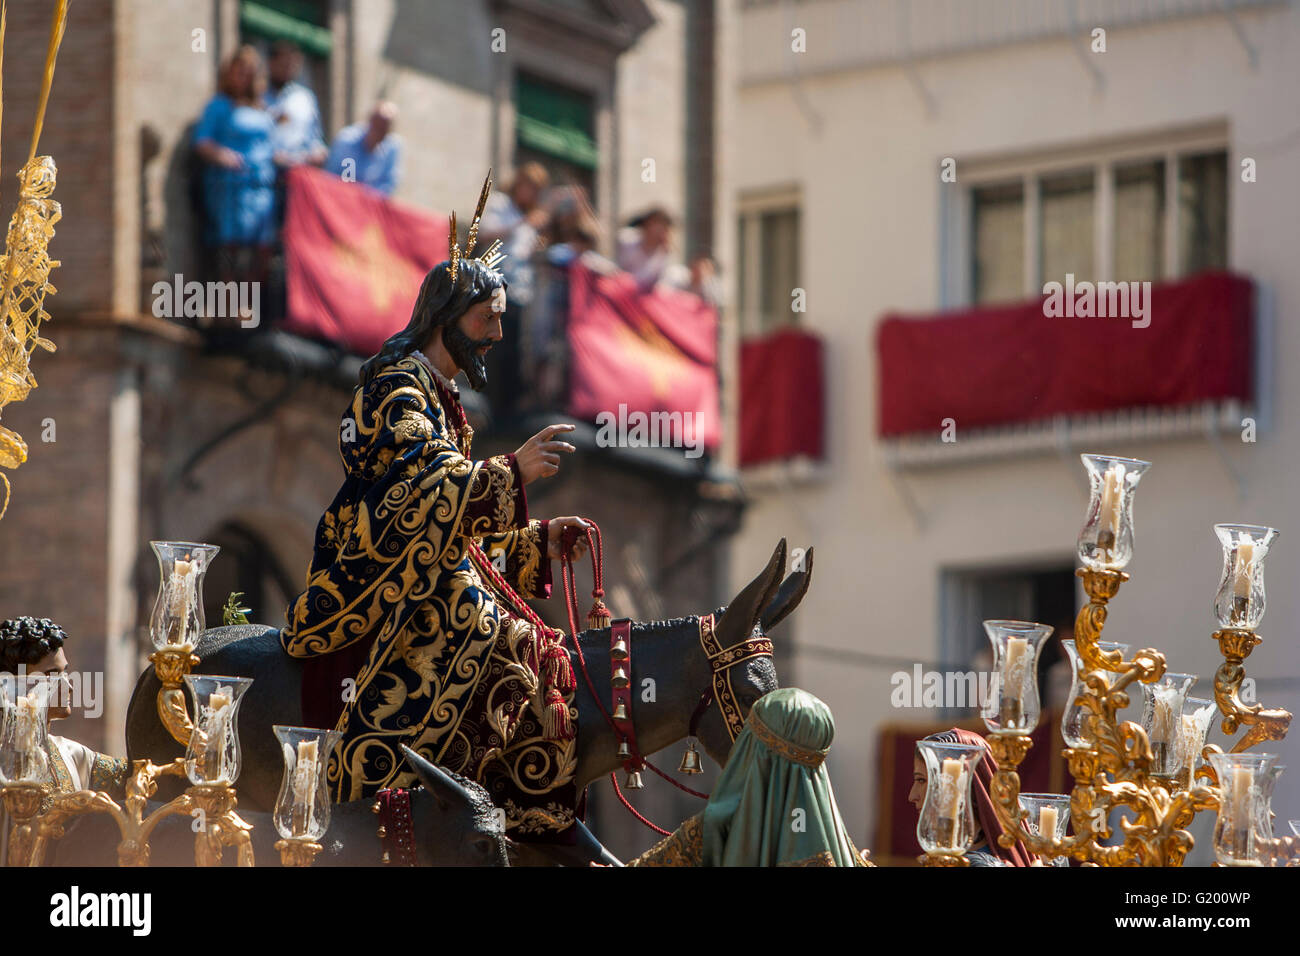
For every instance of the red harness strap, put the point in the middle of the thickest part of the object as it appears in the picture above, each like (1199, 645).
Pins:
(395, 831)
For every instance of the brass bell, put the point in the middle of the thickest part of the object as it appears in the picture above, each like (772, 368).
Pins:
(634, 780)
(619, 651)
(374, 807)
(620, 678)
(690, 761)
(620, 712)
(382, 832)
(622, 749)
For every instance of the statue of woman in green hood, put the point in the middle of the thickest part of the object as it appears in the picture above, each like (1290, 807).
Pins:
(773, 804)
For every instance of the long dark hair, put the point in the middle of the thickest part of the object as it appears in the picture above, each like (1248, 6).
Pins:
(439, 303)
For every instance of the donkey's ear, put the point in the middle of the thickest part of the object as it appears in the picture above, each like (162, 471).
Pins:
(742, 614)
(445, 789)
(790, 594)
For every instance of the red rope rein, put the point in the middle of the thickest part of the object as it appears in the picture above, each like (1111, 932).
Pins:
(569, 577)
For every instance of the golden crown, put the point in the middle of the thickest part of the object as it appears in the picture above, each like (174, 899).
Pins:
(493, 255)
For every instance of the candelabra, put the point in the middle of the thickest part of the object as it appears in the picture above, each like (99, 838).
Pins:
(176, 624)
(135, 827)
(1114, 762)
(302, 809)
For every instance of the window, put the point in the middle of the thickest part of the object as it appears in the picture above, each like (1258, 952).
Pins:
(999, 243)
(1203, 212)
(1127, 213)
(1043, 594)
(769, 269)
(1139, 221)
(556, 126)
(1065, 232)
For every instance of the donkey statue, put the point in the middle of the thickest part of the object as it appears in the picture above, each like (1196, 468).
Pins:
(671, 652)
(453, 823)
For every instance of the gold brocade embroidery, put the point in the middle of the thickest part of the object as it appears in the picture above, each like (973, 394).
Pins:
(782, 747)
(538, 819)
(824, 858)
(413, 426)
(683, 847)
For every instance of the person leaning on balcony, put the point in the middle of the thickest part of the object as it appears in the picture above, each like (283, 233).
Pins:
(296, 138)
(519, 216)
(369, 153)
(31, 646)
(985, 849)
(776, 775)
(233, 139)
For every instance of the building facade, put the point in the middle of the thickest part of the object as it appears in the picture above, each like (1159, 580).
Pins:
(140, 430)
(929, 158)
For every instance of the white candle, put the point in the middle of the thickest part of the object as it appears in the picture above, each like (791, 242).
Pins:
(1016, 668)
(1191, 742)
(1241, 788)
(1244, 568)
(218, 717)
(1112, 500)
(950, 790)
(1047, 821)
(28, 724)
(304, 778)
(181, 587)
(1165, 697)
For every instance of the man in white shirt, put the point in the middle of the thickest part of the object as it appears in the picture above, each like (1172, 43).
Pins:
(296, 137)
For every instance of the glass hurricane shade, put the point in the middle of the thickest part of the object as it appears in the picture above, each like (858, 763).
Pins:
(302, 810)
(213, 756)
(1106, 540)
(178, 611)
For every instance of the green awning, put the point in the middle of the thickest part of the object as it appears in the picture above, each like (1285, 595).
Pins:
(287, 20)
(555, 121)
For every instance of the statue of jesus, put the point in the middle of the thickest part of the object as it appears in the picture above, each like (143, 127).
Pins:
(412, 623)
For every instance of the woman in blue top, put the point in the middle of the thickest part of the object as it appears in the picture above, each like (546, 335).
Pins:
(233, 138)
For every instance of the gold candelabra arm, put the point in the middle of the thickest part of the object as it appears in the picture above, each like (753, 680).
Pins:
(1236, 644)
(134, 827)
(221, 826)
(1009, 751)
(302, 851)
(22, 801)
(171, 664)
(52, 824)
(943, 859)
(1206, 770)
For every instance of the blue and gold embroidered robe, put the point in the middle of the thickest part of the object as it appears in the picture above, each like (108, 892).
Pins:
(449, 667)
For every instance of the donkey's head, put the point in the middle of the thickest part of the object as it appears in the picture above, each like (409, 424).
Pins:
(463, 827)
(764, 603)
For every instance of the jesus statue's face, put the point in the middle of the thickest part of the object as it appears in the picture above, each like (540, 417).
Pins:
(470, 338)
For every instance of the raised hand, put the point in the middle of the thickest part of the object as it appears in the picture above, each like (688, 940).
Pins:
(539, 457)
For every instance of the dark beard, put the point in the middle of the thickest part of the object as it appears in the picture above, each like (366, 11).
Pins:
(464, 352)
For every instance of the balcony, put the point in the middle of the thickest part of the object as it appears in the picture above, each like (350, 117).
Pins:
(1009, 380)
(636, 370)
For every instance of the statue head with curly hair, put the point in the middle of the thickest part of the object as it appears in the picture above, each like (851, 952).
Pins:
(31, 645)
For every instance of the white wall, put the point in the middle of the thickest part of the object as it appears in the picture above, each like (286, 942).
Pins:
(869, 175)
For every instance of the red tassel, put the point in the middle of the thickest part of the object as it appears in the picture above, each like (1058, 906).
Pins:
(599, 615)
(555, 717)
(558, 669)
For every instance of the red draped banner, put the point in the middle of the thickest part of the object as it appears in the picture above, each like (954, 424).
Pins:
(642, 352)
(354, 260)
(781, 394)
(994, 366)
